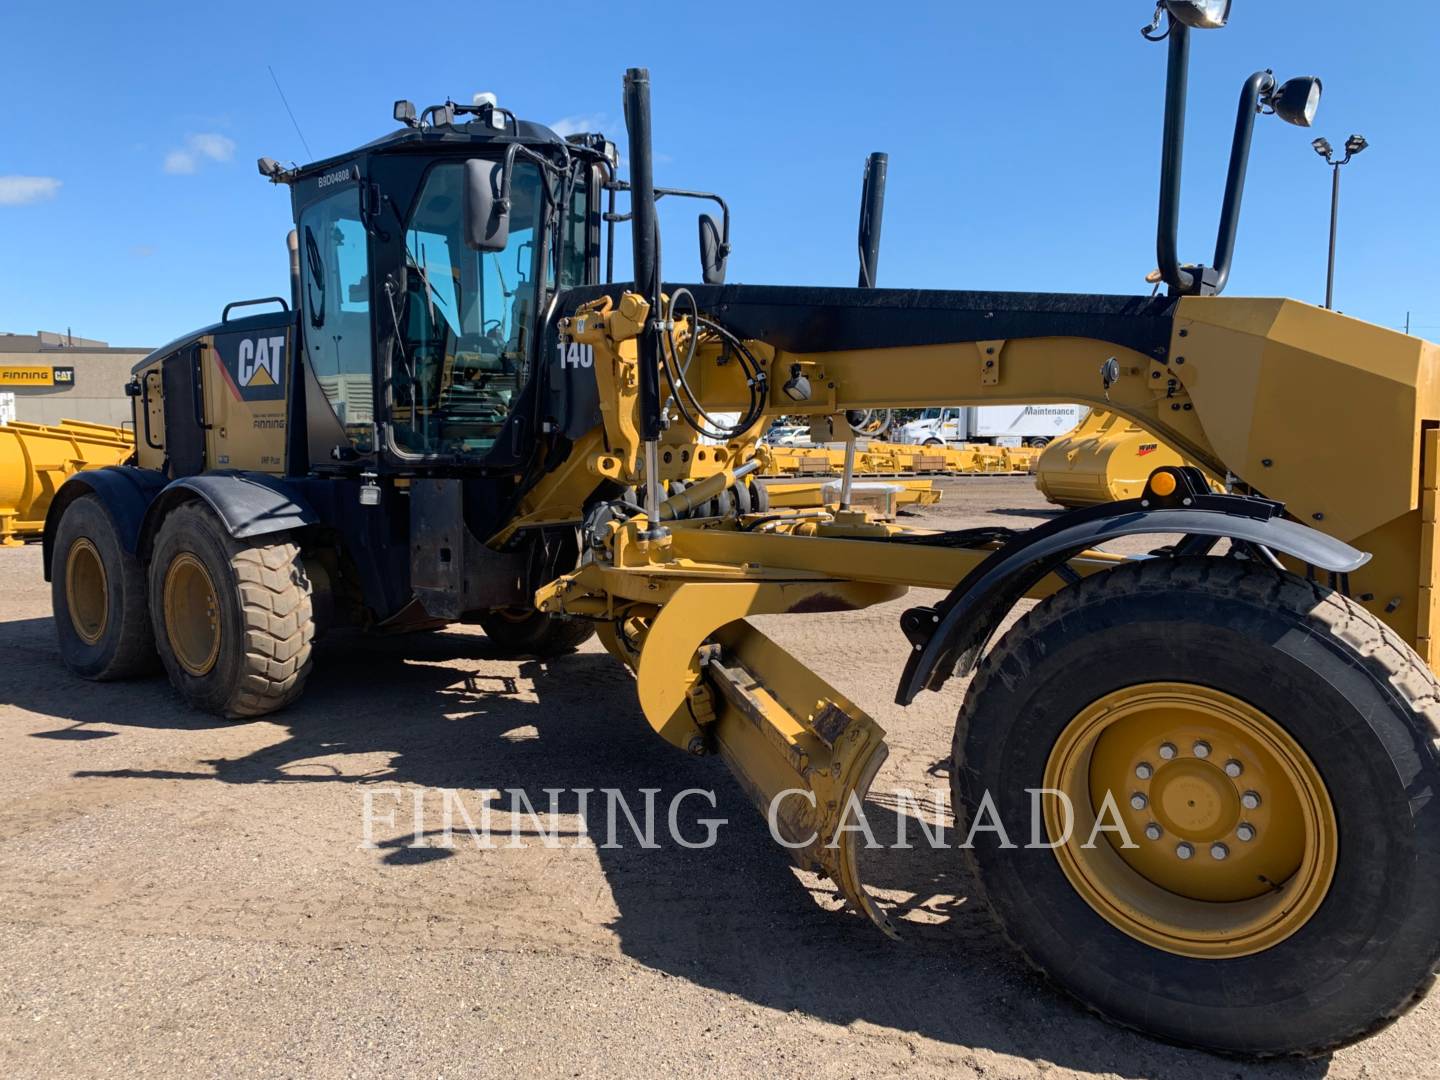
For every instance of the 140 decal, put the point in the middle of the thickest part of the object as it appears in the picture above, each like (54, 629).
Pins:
(575, 355)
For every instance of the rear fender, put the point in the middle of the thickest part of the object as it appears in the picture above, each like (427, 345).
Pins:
(126, 492)
(247, 504)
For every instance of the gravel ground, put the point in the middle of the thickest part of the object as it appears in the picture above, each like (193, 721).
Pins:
(180, 895)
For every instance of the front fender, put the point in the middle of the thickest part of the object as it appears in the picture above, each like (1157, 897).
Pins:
(950, 637)
(247, 504)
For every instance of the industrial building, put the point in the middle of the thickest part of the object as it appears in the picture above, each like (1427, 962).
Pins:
(48, 377)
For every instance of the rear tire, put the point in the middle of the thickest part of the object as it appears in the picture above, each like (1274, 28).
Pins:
(233, 619)
(535, 633)
(97, 591)
(1337, 684)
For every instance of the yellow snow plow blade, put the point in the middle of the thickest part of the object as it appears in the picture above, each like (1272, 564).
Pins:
(804, 753)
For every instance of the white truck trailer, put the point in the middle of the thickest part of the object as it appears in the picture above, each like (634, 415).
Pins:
(1003, 425)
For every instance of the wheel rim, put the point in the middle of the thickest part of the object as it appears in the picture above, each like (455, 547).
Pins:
(1234, 836)
(87, 591)
(192, 614)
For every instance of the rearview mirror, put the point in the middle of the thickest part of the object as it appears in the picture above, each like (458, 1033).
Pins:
(713, 253)
(487, 210)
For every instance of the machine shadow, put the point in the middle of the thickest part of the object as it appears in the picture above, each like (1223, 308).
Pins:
(733, 917)
(34, 678)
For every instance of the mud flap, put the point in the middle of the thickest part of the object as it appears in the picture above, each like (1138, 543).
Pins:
(805, 754)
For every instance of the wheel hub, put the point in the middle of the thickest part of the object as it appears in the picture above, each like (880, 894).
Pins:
(1231, 836)
(87, 593)
(192, 614)
(1195, 800)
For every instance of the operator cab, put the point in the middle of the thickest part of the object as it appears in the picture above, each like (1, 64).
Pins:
(420, 346)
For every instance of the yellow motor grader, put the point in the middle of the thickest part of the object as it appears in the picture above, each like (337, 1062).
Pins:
(1228, 746)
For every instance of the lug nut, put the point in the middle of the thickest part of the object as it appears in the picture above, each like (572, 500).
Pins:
(1202, 749)
(1183, 851)
(1152, 831)
(1144, 770)
(1250, 800)
(1219, 851)
(1233, 768)
(1245, 831)
(1167, 750)
(1138, 801)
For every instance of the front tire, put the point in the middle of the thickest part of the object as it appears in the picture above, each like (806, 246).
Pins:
(1206, 694)
(97, 591)
(233, 619)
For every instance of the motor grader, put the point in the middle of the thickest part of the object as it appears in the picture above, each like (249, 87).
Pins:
(1231, 742)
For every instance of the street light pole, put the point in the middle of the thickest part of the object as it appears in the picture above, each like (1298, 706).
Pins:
(1334, 230)
(1353, 145)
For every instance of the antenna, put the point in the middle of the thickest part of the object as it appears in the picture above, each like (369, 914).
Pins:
(308, 152)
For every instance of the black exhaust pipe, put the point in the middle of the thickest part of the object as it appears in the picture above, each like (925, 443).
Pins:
(872, 216)
(643, 233)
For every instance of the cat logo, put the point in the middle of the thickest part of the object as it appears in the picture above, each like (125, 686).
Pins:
(260, 361)
(575, 355)
(1147, 448)
(253, 364)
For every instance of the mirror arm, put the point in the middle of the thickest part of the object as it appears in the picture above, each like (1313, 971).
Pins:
(680, 193)
(1167, 241)
(1256, 87)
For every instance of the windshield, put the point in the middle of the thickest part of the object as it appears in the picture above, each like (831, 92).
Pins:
(467, 318)
(930, 414)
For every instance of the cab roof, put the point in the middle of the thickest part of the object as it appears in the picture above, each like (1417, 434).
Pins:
(430, 138)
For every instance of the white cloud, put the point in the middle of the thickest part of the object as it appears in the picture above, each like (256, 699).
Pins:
(19, 190)
(197, 150)
(579, 124)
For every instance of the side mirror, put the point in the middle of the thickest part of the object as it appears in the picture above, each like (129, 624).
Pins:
(714, 253)
(487, 207)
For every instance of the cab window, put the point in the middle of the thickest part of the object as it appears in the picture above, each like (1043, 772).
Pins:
(576, 234)
(466, 321)
(335, 298)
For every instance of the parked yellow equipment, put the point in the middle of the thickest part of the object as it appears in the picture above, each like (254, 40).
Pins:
(899, 459)
(804, 494)
(35, 459)
(1106, 459)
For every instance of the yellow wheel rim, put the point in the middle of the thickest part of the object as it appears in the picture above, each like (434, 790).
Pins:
(87, 591)
(192, 614)
(1231, 836)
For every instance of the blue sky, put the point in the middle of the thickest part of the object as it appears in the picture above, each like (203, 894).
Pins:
(1024, 143)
